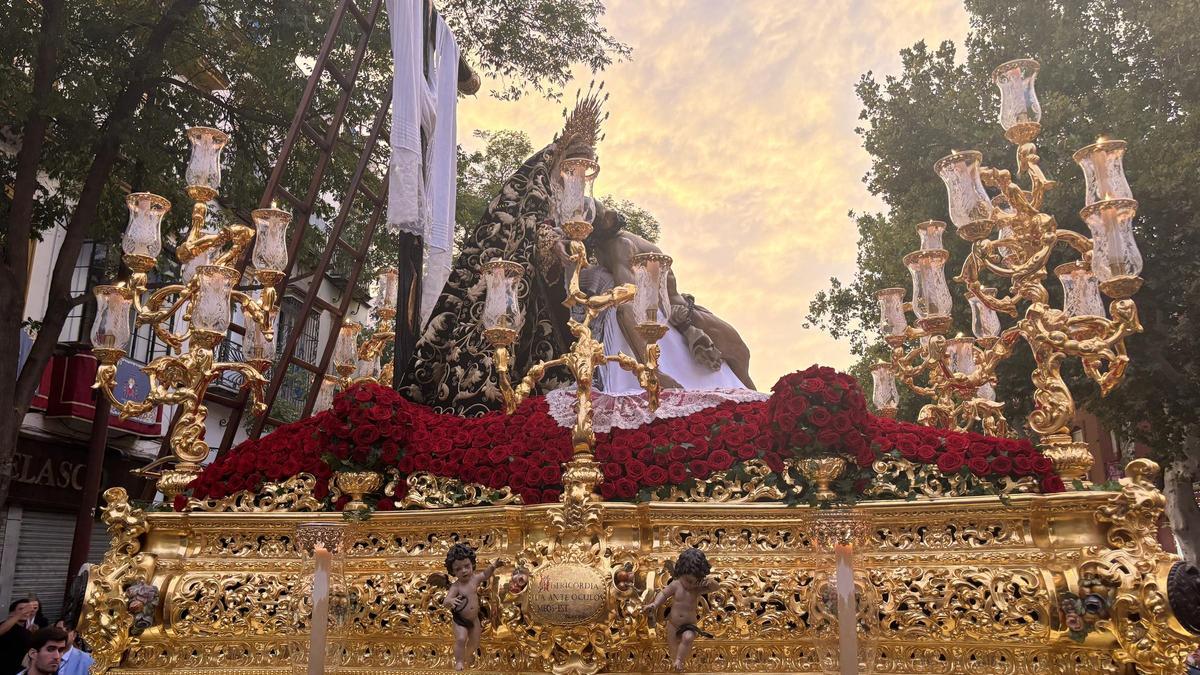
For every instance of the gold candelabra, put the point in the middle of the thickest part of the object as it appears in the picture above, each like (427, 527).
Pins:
(204, 299)
(502, 321)
(354, 362)
(1109, 263)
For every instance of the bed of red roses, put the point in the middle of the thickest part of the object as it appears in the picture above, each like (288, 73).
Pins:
(813, 412)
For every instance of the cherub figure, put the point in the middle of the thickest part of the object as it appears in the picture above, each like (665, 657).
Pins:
(518, 581)
(689, 581)
(463, 601)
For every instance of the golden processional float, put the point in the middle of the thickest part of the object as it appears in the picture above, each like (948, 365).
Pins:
(925, 571)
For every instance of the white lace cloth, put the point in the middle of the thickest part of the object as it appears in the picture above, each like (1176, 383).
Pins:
(630, 411)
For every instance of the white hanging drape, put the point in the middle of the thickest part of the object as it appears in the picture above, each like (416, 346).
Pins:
(421, 189)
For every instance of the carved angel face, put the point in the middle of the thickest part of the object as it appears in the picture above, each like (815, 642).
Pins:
(462, 569)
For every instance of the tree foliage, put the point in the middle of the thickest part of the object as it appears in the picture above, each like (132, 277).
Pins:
(1118, 68)
(482, 172)
(532, 45)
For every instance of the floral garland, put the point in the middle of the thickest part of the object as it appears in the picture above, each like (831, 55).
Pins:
(816, 412)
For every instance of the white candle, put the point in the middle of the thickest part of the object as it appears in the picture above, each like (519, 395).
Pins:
(320, 615)
(846, 610)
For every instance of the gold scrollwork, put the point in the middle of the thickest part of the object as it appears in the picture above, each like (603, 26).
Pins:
(751, 485)
(897, 477)
(427, 491)
(107, 624)
(293, 494)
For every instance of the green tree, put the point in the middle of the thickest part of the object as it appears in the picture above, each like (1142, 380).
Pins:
(481, 174)
(1118, 68)
(84, 80)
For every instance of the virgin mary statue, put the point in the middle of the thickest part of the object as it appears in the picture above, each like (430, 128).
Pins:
(451, 368)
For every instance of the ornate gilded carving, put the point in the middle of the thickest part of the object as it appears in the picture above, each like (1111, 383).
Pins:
(1134, 564)
(293, 494)
(898, 477)
(758, 483)
(426, 491)
(108, 622)
(956, 585)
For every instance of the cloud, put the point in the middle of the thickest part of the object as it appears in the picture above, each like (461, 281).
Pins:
(734, 125)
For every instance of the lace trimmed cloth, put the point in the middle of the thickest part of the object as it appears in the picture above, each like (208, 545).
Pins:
(630, 411)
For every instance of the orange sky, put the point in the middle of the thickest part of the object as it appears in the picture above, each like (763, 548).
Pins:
(734, 125)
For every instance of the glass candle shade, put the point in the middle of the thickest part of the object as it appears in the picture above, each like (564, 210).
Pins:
(930, 233)
(345, 352)
(110, 329)
(986, 392)
(884, 393)
(891, 311)
(578, 174)
(256, 346)
(325, 394)
(1115, 252)
(1081, 293)
(502, 304)
(143, 234)
(270, 239)
(961, 351)
(387, 288)
(1020, 112)
(970, 207)
(1103, 172)
(985, 323)
(204, 167)
(931, 295)
(650, 272)
(210, 306)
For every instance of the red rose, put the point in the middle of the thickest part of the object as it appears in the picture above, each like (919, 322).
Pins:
(676, 472)
(677, 453)
(829, 438)
(655, 475)
(363, 394)
(1002, 465)
(950, 463)
(699, 468)
(865, 457)
(380, 413)
(1053, 483)
(812, 385)
(385, 504)
(979, 449)
(626, 488)
(635, 469)
(797, 405)
(819, 417)
(801, 439)
(955, 443)
(1042, 464)
(746, 452)
(926, 453)
(1023, 465)
(551, 495)
(720, 460)
(774, 461)
(978, 466)
(622, 453)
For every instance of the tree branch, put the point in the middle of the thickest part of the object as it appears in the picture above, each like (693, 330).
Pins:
(116, 127)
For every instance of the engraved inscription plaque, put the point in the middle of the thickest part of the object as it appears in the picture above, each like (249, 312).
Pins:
(566, 594)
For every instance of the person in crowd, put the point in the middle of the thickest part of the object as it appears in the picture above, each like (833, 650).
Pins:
(75, 661)
(16, 632)
(46, 650)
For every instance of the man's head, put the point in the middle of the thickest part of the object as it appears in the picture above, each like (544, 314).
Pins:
(608, 222)
(46, 650)
(69, 627)
(25, 608)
